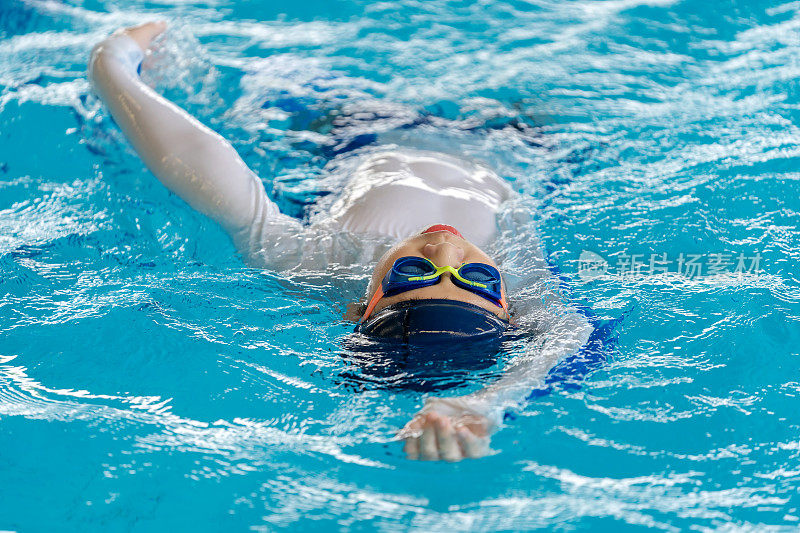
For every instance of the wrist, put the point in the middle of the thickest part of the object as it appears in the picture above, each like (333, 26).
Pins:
(119, 49)
(462, 407)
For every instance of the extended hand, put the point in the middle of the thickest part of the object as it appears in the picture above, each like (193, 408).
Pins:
(145, 33)
(446, 430)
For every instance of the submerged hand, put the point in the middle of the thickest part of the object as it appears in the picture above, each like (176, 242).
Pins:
(446, 429)
(145, 33)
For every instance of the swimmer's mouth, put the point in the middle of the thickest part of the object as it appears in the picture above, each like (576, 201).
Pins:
(442, 227)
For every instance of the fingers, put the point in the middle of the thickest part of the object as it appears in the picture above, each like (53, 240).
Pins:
(428, 444)
(411, 448)
(411, 434)
(476, 425)
(446, 440)
(432, 437)
(420, 439)
(472, 445)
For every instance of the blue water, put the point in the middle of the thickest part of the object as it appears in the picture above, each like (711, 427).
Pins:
(149, 381)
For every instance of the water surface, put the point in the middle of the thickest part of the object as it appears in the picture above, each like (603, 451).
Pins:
(151, 381)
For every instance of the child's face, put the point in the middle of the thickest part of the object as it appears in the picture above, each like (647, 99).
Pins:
(442, 248)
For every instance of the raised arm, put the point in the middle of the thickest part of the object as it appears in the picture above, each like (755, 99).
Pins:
(460, 427)
(190, 159)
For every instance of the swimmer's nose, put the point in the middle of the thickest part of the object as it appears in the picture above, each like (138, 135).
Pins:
(444, 254)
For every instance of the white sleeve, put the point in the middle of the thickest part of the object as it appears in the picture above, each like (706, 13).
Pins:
(190, 159)
(565, 335)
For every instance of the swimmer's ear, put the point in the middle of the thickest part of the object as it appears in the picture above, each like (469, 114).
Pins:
(355, 310)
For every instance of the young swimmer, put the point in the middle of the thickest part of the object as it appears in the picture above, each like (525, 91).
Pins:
(437, 283)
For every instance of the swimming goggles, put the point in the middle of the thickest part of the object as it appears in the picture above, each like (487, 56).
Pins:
(412, 272)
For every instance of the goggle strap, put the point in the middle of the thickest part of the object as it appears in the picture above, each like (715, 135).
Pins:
(372, 303)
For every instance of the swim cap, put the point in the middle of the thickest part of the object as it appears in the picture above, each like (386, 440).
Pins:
(376, 363)
(442, 227)
(425, 321)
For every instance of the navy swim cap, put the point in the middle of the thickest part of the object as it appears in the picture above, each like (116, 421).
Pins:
(425, 321)
(425, 346)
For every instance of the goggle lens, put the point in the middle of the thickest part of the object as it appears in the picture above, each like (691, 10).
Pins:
(413, 266)
(479, 273)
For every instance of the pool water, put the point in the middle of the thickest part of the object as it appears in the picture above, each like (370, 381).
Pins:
(150, 381)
